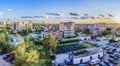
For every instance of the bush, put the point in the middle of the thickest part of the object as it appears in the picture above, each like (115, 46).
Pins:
(76, 34)
(112, 41)
(68, 41)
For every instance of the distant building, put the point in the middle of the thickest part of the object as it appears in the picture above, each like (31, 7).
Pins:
(21, 25)
(96, 28)
(5, 23)
(16, 25)
(67, 29)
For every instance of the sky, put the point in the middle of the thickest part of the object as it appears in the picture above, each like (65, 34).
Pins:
(18, 8)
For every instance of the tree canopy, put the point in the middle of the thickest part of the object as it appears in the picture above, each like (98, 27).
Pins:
(49, 43)
(26, 54)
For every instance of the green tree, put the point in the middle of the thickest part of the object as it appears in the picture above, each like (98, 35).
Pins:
(107, 31)
(118, 29)
(30, 30)
(87, 31)
(26, 54)
(38, 30)
(112, 41)
(49, 44)
(77, 30)
(5, 43)
(24, 32)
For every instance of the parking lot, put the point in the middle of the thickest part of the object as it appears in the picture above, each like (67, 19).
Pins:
(3, 62)
(111, 54)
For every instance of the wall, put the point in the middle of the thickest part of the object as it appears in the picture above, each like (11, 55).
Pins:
(87, 58)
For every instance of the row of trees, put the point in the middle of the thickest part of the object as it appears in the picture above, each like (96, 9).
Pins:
(5, 44)
(25, 32)
(29, 54)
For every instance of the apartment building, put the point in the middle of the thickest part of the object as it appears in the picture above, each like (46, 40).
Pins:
(21, 25)
(5, 23)
(67, 29)
(16, 25)
(94, 28)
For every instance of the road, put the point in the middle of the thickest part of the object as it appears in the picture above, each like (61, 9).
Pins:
(3, 62)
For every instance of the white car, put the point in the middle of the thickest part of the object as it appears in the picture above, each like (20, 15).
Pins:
(94, 61)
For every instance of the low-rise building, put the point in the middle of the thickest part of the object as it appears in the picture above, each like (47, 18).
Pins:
(83, 56)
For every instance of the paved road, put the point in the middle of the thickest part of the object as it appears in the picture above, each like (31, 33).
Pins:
(3, 62)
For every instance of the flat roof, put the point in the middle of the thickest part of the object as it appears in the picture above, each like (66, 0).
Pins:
(86, 52)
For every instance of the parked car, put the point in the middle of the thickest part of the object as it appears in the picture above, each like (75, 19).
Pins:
(12, 61)
(53, 63)
(102, 64)
(114, 49)
(108, 63)
(82, 65)
(9, 58)
(110, 52)
(68, 61)
(117, 55)
(97, 65)
(5, 57)
(114, 57)
(60, 64)
(94, 61)
(113, 61)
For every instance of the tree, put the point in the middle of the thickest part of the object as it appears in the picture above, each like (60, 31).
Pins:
(28, 55)
(118, 29)
(87, 31)
(38, 30)
(49, 44)
(107, 31)
(5, 43)
(112, 41)
(30, 30)
(25, 32)
(93, 37)
(77, 30)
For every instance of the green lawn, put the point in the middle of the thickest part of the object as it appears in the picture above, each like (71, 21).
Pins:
(118, 42)
(86, 45)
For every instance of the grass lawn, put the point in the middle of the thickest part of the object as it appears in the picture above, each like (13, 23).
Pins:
(86, 45)
(77, 42)
(118, 42)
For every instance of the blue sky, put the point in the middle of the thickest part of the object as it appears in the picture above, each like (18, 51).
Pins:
(18, 8)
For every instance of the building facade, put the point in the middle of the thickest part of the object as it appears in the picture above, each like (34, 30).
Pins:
(67, 29)
(86, 55)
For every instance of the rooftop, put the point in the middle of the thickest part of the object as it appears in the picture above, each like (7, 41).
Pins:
(86, 52)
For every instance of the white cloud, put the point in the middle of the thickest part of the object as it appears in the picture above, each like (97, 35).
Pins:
(55, 14)
(1, 13)
(9, 10)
